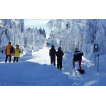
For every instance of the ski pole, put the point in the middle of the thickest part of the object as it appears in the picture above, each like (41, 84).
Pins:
(95, 58)
(0, 60)
(98, 63)
(1, 57)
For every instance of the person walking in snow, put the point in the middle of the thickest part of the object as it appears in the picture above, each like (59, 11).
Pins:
(2, 51)
(52, 54)
(59, 55)
(16, 53)
(77, 57)
(7, 52)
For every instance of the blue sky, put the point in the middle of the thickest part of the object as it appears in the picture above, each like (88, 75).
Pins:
(37, 23)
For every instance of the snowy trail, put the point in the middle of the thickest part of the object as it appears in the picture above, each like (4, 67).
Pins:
(90, 76)
(41, 56)
(32, 71)
(36, 70)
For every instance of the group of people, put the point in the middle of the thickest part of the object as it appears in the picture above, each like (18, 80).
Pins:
(10, 51)
(59, 54)
(76, 58)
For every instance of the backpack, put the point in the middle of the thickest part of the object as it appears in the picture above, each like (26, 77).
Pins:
(78, 55)
(81, 71)
(12, 49)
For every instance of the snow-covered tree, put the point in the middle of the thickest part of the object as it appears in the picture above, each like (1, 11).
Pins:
(81, 33)
(12, 30)
(33, 40)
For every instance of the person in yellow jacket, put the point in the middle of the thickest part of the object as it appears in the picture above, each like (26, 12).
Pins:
(16, 53)
(7, 52)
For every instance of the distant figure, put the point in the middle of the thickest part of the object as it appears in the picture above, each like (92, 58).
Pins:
(16, 53)
(2, 51)
(77, 57)
(52, 54)
(59, 55)
(86, 50)
(67, 26)
(7, 52)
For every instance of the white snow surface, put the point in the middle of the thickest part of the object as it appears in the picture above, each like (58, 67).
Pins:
(36, 70)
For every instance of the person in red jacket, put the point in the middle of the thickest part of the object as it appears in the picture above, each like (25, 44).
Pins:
(77, 57)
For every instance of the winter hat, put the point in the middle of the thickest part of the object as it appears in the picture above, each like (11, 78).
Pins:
(17, 45)
(76, 49)
(59, 48)
(9, 42)
(52, 46)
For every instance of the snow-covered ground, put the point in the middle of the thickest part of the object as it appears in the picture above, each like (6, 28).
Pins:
(36, 70)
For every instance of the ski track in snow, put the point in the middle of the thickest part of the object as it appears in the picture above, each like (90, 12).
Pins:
(36, 70)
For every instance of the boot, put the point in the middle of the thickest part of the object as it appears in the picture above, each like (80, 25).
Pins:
(73, 68)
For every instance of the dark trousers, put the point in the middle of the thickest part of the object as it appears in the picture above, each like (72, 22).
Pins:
(7, 58)
(53, 60)
(59, 63)
(15, 58)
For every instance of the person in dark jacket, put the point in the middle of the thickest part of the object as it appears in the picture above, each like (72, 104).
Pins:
(77, 57)
(59, 55)
(52, 54)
